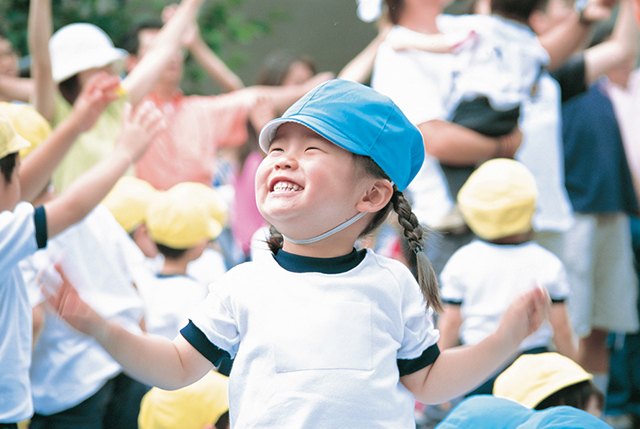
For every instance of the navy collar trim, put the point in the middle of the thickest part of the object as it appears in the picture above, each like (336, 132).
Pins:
(306, 264)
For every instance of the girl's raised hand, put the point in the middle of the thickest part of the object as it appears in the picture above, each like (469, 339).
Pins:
(525, 316)
(139, 126)
(70, 307)
(96, 95)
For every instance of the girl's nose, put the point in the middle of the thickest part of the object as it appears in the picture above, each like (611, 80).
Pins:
(286, 161)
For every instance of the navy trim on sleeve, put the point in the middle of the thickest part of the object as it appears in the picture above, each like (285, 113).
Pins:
(451, 302)
(558, 300)
(200, 342)
(409, 366)
(40, 221)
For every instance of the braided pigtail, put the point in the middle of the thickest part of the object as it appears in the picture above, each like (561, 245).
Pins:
(414, 233)
(275, 240)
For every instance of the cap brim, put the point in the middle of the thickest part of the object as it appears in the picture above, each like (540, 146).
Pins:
(18, 143)
(334, 136)
(115, 56)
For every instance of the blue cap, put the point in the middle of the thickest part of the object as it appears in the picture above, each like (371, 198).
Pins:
(360, 120)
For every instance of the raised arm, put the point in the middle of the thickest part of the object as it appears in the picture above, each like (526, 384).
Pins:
(360, 67)
(205, 56)
(621, 47)
(151, 359)
(165, 45)
(39, 31)
(460, 369)
(138, 128)
(36, 169)
(562, 41)
(14, 88)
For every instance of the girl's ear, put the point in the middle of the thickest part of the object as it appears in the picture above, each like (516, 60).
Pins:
(376, 197)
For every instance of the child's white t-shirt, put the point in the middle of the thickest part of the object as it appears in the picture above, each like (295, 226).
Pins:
(485, 278)
(18, 239)
(503, 62)
(315, 349)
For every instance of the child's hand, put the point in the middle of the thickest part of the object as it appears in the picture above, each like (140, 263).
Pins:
(99, 91)
(139, 126)
(70, 307)
(525, 316)
(597, 10)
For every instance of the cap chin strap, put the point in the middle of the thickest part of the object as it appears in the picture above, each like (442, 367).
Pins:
(338, 228)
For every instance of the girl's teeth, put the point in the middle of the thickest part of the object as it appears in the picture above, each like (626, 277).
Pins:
(286, 187)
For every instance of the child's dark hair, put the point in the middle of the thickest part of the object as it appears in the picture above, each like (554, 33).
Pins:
(577, 396)
(170, 252)
(395, 8)
(413, 232)
(131, 40)
(517, 9)
(70, 89)
(7, 165)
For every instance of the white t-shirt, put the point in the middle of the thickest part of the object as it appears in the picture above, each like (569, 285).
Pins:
(503, 62)
(316, 346)
(485, 278)
(68, 367)
(168, 301)
(420, 83)
(542, 153)
(18, 231)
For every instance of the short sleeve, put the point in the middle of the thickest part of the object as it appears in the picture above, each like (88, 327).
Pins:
(18, 230)
(212, 329)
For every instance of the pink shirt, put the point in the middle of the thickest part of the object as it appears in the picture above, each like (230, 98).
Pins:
(245, 217)
(197, 127)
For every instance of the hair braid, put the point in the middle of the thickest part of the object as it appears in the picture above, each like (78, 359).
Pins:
(414, 233)
(275, 240)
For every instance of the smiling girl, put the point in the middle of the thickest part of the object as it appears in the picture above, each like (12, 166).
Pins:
(322, 334)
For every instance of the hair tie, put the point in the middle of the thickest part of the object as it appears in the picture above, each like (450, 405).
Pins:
(418, 249)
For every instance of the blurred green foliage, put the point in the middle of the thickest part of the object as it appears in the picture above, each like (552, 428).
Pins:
(221, 22)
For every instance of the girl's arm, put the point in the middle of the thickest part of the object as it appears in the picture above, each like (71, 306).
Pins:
(151, 359)
(562, 333)
(434, 43)
(39, 31)
(460, 369)
(36, 169)
(165, 45)
(449, 323)
(137, 130)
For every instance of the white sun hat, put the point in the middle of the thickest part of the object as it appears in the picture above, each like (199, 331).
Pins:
(81, 46)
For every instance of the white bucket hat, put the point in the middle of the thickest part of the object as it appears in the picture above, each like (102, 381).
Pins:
(78, 47)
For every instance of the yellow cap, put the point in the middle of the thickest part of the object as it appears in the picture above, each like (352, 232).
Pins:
(191, 407)
(499, 199)
(10, 140)
(534, 377)
(184, 215)
(28, 123)
(128, 201)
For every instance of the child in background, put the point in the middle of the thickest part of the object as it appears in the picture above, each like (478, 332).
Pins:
(128, 202)
(181, 223)
(69, 368)
(498, 61)
(201, 405)
(25, 229)
(320, 322)
(549, 380)
(481, 279)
